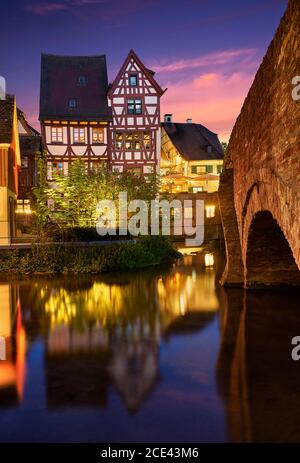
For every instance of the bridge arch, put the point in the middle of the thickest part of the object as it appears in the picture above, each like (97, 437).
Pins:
(260, 185)
(269, 258)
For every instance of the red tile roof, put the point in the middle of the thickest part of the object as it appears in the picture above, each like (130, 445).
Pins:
(59, 85)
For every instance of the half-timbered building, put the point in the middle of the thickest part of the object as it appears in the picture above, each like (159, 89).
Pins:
(135, 133)
(74, 111)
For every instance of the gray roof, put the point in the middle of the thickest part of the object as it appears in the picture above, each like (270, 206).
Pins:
(60, 84)
(7, 119)
(192, 141)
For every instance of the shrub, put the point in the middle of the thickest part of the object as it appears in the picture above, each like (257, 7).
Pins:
(58, 258)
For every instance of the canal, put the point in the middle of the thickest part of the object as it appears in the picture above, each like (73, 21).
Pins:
(162, 355)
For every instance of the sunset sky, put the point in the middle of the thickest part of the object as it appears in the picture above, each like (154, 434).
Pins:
(205, 51)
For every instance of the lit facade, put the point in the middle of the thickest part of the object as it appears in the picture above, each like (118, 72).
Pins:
(9, 166)
(191, 157)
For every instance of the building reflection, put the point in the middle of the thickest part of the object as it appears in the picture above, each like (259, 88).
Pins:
(257, 378)
(104, 333)
(12, 347)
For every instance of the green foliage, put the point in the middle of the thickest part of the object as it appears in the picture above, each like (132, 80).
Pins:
(55, 258)
(40, 194)
(74, 198)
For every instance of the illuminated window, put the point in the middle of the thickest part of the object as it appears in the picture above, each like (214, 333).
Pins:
(24, 162)
(196, 189)
(147, 140)
(136, 141)
(98, 135)
(209, 260)
(134, 106)
(129, 141)
(119, 140)
(134, 170)
(23, 206)
(56, 134)
(72, 103)
(210, 211)
(133, 80)
(81, 81)
(79, 134)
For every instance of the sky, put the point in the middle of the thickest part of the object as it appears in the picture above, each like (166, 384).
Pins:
(206, 52)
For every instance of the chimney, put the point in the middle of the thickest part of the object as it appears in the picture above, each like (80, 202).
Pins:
(189, 120)
(2, 88)
(168, 118)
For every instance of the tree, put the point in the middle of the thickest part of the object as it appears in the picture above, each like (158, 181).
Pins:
(74, 198)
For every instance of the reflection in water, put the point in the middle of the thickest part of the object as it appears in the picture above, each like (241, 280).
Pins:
(13, 347)
(164, 354)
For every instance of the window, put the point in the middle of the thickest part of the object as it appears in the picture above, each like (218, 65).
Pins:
(72, 103)
(209, 260)
(119, 139)
(129, 141)
(219, 169)
(134, 106)
(56, 134)
(210, 211)
(134, 141)
(196, 189)
(209, 149)
(134, 170)
(23, 206)
(133, 80)
(98, 135)
(78, 134)
(54, 168)
(57, 168)
(202, 169)
(24, 162)
(147, 140)
(81, 81)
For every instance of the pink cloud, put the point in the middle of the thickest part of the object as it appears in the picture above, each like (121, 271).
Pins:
(213, 100)
(211, 59)
(209, 88)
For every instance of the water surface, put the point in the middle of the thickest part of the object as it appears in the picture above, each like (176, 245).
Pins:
(153, 356)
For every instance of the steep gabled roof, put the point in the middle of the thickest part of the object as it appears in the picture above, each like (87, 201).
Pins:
(7, 119)
(60, 84)
(27, 129)
(192, 141)
(149, 74)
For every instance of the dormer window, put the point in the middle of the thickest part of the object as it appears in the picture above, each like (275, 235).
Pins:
(209, 149)
(72, 103)
(81, 81)
(133, 80)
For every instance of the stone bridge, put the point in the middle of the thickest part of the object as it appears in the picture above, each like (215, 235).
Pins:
(259, 192)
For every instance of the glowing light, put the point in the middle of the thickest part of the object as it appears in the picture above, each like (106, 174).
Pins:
(209, 260)
(210, 211)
